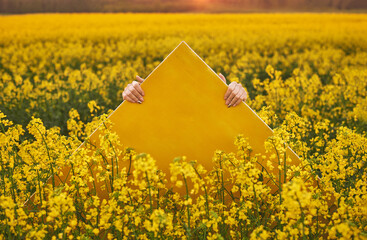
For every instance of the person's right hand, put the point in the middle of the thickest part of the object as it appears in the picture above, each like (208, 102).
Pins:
(133, 92)
(235, 94)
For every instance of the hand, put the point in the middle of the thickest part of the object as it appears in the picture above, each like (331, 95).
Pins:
(133, 92)
(235, 93)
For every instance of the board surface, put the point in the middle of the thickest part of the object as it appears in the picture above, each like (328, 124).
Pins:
(184, 114)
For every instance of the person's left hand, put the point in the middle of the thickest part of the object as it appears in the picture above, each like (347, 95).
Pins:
(235, 93)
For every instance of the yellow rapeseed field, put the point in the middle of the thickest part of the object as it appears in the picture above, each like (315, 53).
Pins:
(61, 74)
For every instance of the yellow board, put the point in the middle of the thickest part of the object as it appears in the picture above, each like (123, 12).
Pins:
(184, 114)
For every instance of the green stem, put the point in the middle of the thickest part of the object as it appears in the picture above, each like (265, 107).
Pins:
(39, 186)
(302, 217)
(49, 156)
(150, 193)
(256, 203)
(113, 174)
(222, 179)
(117, 162)
(128, 171)
(285, 164)
(280, 175)
(3, 175)
(272, 179)
(206, 194)
(188, 207)
(94, 185)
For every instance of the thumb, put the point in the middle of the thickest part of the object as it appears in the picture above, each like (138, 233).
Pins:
(223, 78)
(139, 79)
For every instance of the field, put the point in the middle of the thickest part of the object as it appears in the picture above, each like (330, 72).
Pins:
(306, 76)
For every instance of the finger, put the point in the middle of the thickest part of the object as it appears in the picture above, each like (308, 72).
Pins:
(232, 95)
(232, 86)
(230, 89)
(134, 92)
(243, 92)
(223, 78)
(130, 94)
(138, 88)
(139, 79)
(126, 97)
(235, 99)
(240, 98)
(129, 99)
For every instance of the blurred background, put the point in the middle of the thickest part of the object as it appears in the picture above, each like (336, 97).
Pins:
(34, 6)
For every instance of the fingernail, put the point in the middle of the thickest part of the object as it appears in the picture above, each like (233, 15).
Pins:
(139, 102)
(229, 105)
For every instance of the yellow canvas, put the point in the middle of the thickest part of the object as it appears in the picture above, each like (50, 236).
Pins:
(184, 114)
